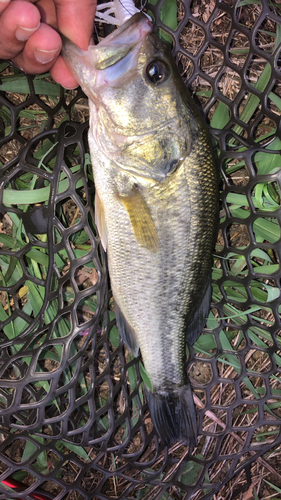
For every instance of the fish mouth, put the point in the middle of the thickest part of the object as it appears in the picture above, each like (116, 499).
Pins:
(119, 43)
(111, 59)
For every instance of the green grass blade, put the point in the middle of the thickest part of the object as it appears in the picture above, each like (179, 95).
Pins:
(220, 117)
(145, 376)
(20, 85)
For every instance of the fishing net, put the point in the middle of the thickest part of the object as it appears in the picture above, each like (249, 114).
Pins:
(74, 420)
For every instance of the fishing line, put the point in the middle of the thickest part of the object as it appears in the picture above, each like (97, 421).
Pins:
(144, 5)
(124, 6)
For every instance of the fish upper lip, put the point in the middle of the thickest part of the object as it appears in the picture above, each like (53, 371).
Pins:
(115, 34)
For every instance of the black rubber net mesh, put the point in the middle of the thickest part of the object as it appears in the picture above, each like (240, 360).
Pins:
(74, 420)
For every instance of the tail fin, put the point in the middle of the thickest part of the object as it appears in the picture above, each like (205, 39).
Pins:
(174, 415)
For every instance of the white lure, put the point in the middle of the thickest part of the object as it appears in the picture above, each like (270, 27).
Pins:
(116, 12)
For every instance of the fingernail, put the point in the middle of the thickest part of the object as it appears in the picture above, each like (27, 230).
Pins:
(70, 88)
(22, 34)
(45, 56)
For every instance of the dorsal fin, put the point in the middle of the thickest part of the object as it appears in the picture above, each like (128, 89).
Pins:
(194, 329)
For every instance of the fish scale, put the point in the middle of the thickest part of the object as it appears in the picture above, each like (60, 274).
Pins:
(156, 208)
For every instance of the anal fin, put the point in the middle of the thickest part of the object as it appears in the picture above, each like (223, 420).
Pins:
(126, 332)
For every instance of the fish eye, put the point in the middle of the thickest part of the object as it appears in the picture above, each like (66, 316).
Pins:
(157, 71)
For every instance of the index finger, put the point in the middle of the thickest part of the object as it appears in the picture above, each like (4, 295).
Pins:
(3, 5)
(75, 20)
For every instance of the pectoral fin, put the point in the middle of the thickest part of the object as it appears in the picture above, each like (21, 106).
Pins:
(100, 221)
(141, 220)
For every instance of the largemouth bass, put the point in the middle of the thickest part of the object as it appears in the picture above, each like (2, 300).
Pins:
(156, 208)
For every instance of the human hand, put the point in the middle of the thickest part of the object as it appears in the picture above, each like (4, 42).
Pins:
(28, 37)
